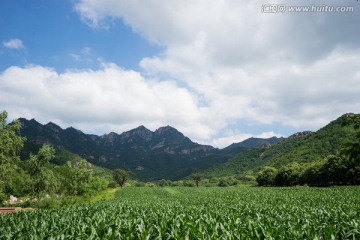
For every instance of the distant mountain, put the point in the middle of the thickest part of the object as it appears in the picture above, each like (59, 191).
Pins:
(165, 153)
(302, 147)
(255, 142)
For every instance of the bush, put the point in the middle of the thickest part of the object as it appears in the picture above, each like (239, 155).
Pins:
(112, 185)
(289, 175)
(266, 177)
(139, 184)
(188, 183)
(3, 197)
(150, 184)
(247, 178)
(164, 183)
(223, 183)
(175, 184)
(46, 203)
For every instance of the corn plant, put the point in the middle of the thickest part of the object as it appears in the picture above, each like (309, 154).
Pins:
(198, 213)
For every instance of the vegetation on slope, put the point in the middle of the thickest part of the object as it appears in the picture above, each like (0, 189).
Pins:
(36, 177)
(306, 150)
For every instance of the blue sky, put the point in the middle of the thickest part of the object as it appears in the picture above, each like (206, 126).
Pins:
(54, 34)
(219, 72)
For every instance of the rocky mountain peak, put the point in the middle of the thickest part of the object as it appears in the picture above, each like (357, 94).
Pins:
(110, 136)
(140, 131)
(74, 130)
(53, 127)
(166, 130)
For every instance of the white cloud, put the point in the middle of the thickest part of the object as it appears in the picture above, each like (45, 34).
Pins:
(84, 55)
(13, 43)
(224, 62)
(109, 99)
(293, 69)
(231, 136)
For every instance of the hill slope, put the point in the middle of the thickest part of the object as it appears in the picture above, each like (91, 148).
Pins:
(302, 147)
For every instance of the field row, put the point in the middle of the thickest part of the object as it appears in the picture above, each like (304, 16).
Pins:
(199, 213)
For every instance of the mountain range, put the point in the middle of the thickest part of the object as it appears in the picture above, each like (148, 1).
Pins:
(167, 154)
(163, 154)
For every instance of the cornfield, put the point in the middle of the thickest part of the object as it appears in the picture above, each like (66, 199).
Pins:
(198, 213)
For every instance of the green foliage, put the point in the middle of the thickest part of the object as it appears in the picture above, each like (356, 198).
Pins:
(305, 150)
(36, 176)
(43, 180)
(289, 175)
(75, 177)
(120, 176)
(198, 213)
(3, 197)
(333, 170)
(223, 182)
(95, 185)
(164, 183)
(341, 170)
(266, 177)
(10, 142)
(14, 180)
(186, 183)
(37, 163)
(314, 174)
(352, 149)
(139, 184)
(150, 184)
(11, 175)
(197, 178)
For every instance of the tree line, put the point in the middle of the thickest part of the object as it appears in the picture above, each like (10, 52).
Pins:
(340, 169)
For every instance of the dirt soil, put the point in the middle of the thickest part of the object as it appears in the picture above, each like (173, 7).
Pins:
(7, 210)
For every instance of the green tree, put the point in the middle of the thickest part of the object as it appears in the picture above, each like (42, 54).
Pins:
(222, 182)
(352, 149)
(10, 142)
(76, 178)
(120, 176)
(314, 175)
(37, 163)
(266, 177)
(43, 179)
(289, 175)
(340, 170)
(163, 183)
(12, 177)
(197, 178)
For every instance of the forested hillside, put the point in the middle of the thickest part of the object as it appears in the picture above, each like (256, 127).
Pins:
(304, 148)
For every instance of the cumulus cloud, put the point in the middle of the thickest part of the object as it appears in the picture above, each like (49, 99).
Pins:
(13, 43)
(109, 99)
(297, 69)
(223, 62)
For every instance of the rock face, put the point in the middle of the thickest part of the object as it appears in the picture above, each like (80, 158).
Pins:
(300, 134)
(12, 199)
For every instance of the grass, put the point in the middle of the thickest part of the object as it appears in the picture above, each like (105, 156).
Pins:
(106, 194)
